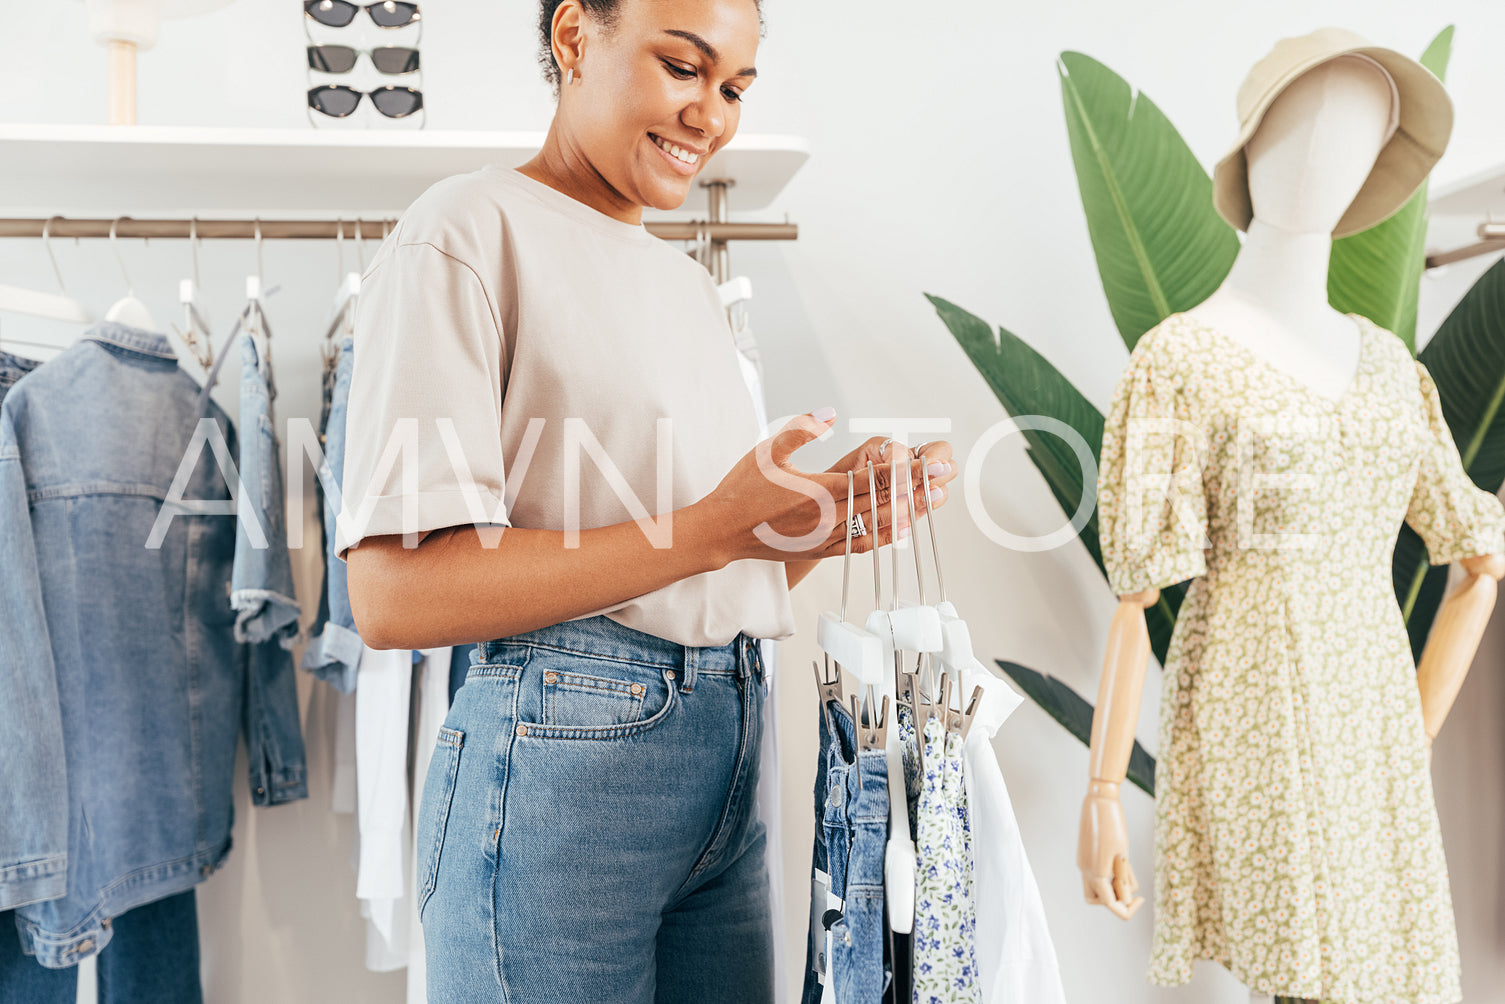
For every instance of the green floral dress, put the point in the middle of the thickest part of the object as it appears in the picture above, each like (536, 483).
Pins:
(1296, 840)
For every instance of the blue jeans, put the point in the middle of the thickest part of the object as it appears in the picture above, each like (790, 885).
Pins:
(853, 827)
(588, 828)
(152, 959)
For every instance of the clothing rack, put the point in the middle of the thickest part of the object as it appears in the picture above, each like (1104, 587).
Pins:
(682, 230)
(1491, 238)
(716, 229)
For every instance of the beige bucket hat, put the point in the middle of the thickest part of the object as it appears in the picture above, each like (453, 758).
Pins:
(1424, 123)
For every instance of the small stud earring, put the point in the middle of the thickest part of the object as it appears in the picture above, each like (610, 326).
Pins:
(569, 76)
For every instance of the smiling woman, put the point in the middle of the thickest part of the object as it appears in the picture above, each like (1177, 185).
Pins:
(588, 827)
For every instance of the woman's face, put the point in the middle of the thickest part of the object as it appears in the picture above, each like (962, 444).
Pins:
(670, 74)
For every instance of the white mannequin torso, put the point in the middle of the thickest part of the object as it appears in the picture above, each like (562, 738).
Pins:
(1312, 152)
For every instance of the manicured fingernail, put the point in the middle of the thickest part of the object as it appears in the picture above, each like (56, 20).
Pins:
(935, 494)
(823, 414)
(903, 533)
(936, 468)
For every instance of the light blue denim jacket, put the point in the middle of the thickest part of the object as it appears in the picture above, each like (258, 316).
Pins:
(124, 688)
(33, 861)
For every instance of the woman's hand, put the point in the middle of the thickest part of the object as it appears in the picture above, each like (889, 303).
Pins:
(766, 507)
(881, 454)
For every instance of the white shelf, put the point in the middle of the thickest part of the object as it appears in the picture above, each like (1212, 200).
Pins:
(1480, 195)
(107, 171)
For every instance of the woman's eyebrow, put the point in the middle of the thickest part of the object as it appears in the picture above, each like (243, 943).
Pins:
(708, 49)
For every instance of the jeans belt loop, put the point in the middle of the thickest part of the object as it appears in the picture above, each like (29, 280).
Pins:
(687, 674)
(751, 658)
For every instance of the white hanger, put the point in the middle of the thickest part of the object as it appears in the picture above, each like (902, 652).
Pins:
(195, 334)
(253, 313)
(735, 290)
(127, 309)
(53, 306)
(341, 310)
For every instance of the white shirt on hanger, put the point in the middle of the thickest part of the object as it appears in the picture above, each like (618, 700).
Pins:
(1016, 958)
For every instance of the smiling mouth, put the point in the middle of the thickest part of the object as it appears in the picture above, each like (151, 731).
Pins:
(679, 153)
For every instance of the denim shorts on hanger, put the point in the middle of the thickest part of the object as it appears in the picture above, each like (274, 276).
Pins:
(588, 829)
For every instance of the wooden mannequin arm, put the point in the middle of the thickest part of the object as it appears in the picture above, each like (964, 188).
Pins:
(1454, 639)
(1103, 842)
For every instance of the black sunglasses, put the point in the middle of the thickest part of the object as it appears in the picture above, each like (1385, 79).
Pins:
(339, 101)
(341, 58)
(339, 13)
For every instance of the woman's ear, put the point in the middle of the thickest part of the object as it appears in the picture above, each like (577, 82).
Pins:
(569, 34)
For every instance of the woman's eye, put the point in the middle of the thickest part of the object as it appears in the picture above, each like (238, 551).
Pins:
(732, 95)
(680, 71)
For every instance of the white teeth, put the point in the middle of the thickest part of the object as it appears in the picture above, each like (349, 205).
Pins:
(678, 153)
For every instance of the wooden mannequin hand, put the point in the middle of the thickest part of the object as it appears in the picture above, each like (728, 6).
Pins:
(1103, 852)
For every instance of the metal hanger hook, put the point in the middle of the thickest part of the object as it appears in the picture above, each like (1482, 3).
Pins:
(872, 489)
(130, 288)
(257, 221)
(47, 246)
(935, 548)
(193, 245)
(846, 559)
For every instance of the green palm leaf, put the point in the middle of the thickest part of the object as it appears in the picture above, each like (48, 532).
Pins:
(1161, 247)
(1467, 361)
(1027, 384)
(1074, 713)
(1377, 273)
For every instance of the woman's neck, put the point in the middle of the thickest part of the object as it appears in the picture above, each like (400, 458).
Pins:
(566, 170)
(1283, 271)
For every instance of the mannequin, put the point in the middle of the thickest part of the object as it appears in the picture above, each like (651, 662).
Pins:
(1309, 157)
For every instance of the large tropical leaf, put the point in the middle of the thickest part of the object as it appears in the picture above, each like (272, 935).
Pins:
(1377, 273)
(1161, 247)
(1467, 361)
(1027, 384)
(1073, 712)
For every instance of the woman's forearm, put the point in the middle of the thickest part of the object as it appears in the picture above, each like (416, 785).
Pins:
(450, 590)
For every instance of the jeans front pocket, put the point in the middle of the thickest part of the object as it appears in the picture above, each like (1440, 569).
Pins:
(433, 814)
(568, 695)
(579, 699)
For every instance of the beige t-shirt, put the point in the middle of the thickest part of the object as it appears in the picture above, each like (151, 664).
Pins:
(504, 325)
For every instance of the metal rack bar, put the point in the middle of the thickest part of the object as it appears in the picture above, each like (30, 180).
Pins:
(209, 229)
(1491, 238)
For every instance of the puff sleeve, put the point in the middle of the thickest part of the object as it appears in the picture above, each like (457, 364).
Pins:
(1152, 510)
(423, 442)
(1454, 517)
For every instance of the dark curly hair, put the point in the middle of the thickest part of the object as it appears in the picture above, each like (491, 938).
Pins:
(603, 12)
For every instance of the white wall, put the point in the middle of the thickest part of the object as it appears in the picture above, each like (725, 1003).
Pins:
(940, 165)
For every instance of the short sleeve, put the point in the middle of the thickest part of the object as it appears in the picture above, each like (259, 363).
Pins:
(1454, 517)
(423, 425)
(1152, 511)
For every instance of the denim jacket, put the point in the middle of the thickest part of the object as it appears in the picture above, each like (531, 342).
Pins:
(124, 689)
